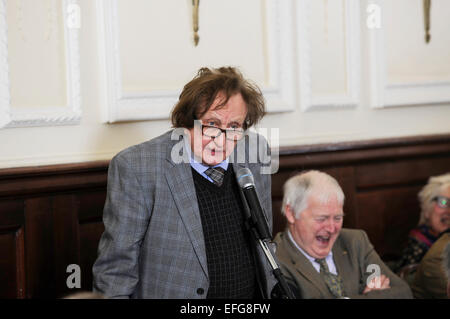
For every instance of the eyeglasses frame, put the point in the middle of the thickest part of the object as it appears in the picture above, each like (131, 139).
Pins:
(223, 131)
(438, 200)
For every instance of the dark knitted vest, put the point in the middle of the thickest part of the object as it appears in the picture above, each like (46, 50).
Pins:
(230, 262)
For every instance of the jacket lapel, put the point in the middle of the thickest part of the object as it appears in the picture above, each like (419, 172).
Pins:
(237, 167)
(304, 266)
(340, 256)
(181, 183)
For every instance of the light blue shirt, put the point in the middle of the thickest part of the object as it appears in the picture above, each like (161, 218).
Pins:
(201, 168)
(328, 259)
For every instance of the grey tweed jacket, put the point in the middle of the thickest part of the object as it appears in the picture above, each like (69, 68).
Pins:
(153, 244)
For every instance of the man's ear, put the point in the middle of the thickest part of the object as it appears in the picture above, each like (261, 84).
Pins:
(290, 214)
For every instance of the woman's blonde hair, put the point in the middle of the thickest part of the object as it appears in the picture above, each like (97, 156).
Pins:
(434, 187)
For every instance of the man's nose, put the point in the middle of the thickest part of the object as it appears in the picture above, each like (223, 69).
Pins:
(220, 140)
(331, 226)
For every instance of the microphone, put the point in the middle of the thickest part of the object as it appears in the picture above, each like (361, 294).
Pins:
(257, 217)
(260, 229)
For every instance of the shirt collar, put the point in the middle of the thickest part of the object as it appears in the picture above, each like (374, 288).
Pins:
(200, 167)
(311, 259)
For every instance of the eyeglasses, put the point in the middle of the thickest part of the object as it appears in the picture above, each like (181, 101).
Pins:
(442, 201)
(231, 134)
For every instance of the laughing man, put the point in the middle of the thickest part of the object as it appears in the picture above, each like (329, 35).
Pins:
(318, 256)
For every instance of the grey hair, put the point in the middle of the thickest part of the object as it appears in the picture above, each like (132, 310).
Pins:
(434, 187)
(446, 260)
(298, 189)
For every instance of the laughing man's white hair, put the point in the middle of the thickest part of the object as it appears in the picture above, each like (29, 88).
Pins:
(298, 189)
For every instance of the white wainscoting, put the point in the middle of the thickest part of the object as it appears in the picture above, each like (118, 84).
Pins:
(350, 98)
(50, 115)
(5, 112)
(156, 104)
(384, 93)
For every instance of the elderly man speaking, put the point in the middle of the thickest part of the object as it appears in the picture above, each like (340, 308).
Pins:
(318, 256)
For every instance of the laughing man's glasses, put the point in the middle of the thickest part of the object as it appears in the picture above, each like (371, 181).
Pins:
(442, 201)
(231, 134)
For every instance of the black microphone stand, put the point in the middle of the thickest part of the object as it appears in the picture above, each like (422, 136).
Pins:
(256, 223)
(252, 226)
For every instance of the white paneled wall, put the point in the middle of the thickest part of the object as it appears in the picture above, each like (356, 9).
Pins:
(328, 53)
(74, 90)
(143, 82)
(42, 71)
(403, 69)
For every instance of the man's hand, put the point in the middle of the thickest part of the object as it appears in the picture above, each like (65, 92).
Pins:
(377, 283)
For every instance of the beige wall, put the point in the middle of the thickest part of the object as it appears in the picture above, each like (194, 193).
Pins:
(158, 45)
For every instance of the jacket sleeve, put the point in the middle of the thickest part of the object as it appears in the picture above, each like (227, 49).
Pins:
(125, 217)
(265, 171)
(399, 289)
(267, 206)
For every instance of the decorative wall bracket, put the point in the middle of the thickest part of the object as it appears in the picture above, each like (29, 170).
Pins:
(426, 15)
(195, 7)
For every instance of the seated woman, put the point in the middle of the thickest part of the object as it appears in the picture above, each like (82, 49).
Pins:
(434, 219)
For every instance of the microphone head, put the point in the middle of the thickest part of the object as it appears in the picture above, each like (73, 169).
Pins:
(245, 178)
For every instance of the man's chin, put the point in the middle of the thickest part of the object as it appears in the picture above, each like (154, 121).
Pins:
(322, 252)
(213, 160)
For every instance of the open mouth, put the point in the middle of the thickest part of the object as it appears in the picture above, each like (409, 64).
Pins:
(323, 240)
(215, 152)
(445, 220)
